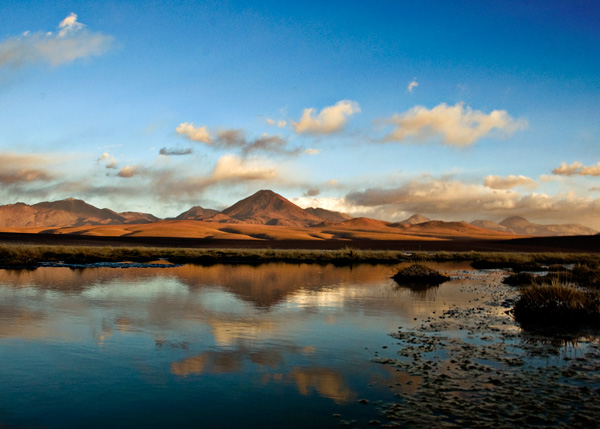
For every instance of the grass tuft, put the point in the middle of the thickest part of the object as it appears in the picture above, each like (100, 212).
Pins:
(557, 304)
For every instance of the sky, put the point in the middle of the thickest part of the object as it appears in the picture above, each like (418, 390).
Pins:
(457, 110)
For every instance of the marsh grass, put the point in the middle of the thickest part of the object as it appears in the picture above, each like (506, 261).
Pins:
(557, 304)
(25, 256)
(29, 256)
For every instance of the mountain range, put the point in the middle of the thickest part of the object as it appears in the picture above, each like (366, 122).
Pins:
(263, 209)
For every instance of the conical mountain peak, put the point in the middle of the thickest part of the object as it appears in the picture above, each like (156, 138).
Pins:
(268, 207)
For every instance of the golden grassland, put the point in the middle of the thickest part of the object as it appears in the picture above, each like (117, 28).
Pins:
(355, 229)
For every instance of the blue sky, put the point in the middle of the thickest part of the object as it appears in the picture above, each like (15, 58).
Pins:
(455, 110)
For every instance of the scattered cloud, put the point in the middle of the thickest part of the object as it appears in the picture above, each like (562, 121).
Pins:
(509, 182)
(231, 139)
(330, 120)
(128, 171)
(175, 152)
(578, 169)
(109, 161)
(73, 41)
(457, 125)
(312, 193)
(194, 133)
(412, 85)
(312, 151)
(280, 124)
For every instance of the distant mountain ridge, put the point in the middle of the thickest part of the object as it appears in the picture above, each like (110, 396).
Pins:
(522, 226)
(265, 207)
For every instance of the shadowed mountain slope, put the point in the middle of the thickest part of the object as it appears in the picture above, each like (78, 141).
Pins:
(86, 213)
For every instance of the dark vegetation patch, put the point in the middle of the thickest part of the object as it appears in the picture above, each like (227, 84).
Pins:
(31, 255)
(419, 275)
(557, 305)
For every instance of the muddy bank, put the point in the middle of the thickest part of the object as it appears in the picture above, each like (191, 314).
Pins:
(473, 366)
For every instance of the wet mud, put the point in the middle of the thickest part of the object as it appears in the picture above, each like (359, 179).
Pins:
(473, 366)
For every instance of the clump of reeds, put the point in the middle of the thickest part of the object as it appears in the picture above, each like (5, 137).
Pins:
(557, 304)
(419, 275)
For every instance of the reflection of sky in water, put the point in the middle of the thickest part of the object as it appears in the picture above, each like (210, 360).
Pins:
(169, 347)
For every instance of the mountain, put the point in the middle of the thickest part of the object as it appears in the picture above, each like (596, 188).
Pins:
(197, 213)
(66, 213)
(138, 218)
(414, 220)
(522, 226)
(85, 213)
(268, 208)
(488, 224)
(364, 223)
(21, 215)
(328, 215)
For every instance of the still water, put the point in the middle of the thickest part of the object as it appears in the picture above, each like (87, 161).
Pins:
(276, 345)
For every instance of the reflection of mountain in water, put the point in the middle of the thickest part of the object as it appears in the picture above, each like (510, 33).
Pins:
(263, 286)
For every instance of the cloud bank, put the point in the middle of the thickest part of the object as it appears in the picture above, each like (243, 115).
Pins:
(444, 198)
(73, 41)
(456, 125)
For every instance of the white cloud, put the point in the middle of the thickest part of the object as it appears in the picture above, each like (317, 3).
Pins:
(412, 85)
(568, 170)
(509, 182)
(578, 169)
(128, 171)
(231, 167)
(330, 120)
(312, 151)
(594, 170)
(281, 124)
(69, 25)
(270, 121)
(457, 125)
(194, 133)
(72, 42)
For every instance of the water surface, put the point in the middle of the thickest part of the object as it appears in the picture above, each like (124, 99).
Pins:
(224, 346)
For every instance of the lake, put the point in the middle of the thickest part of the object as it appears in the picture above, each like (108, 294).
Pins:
(280, 346)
